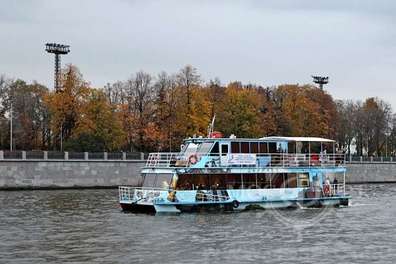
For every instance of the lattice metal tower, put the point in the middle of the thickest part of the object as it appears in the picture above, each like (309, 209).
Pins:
(58, 50)
(320, 80)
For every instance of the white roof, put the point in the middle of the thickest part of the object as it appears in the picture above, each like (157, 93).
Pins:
(300, 139)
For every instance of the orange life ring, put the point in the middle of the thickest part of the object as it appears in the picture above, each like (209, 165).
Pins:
(193, 159)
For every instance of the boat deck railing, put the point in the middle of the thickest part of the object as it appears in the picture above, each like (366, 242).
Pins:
(211, 196)
(262, 160)
(128, 193)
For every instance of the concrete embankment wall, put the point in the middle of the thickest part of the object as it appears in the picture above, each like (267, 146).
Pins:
(73, 174)
(373, 172)
(68, 174)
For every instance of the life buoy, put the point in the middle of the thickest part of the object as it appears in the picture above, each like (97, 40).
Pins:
(193, 159)
(235, 204)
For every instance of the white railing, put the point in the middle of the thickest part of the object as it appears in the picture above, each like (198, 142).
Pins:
(135, 194)
(209, 196)
(166, 160)
(161, 159)
(336, 189)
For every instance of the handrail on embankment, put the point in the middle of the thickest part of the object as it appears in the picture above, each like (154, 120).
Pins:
(74, 156)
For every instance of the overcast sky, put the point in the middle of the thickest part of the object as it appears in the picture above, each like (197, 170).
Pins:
(267, 42)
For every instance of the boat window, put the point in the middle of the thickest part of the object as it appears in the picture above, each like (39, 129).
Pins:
(233, 181)
(193, 182)
(190, 149)
(315, 147)
(272, 147)
(244, 147)
(305, 147)
(249, 181)
(328, 147)
(291, 180)
(277, 180)
(263, 147)
(215, 149)
(149, 180)
(291, 147)
(163, 180)
(235, 147)
(205, 147)
(281, 147)
(302, 147)
(303, 180)
(253, 147)
(263, 181)
(224, 149)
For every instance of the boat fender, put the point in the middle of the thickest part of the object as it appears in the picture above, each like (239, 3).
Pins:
(235, 204)
(193, 159)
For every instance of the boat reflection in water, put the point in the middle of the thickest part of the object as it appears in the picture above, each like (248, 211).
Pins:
(238, 173)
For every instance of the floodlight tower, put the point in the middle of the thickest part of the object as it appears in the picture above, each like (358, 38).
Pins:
(58, 50)
(320, 80)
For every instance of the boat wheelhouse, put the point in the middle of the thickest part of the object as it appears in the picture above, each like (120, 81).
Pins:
(240, 173)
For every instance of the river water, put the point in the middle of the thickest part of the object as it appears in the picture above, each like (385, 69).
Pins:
(87, 226)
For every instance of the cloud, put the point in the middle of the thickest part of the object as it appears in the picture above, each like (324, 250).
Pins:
(265, 42)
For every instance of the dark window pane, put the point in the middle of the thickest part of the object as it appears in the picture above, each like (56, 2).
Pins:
(272, 147)
(244, 147)
(263, 147)
(253, 147)
(224, 149)
(235, 147)
(215, 149)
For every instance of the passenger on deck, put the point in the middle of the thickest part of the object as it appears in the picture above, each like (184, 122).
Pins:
(327, 187)
(335, 184)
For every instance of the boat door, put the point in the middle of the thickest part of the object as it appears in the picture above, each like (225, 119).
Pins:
(224, 151)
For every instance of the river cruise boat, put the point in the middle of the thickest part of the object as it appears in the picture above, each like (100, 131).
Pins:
(238, 173)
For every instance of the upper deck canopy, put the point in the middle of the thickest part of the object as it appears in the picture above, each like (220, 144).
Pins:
(297, 139)
(264, 139)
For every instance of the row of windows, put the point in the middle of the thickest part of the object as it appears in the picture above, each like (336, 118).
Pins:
(247, 147)
(274, 147)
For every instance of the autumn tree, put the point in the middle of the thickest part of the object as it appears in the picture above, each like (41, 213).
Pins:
(241, 112)
(346, 120)
(98, 127)
(373, 119)
(306, 110)
(165, 110)
(29, 114)
(65, 105)
(187, 80)
(137, 112)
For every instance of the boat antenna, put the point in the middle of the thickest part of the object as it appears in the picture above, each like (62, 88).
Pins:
(211, 126)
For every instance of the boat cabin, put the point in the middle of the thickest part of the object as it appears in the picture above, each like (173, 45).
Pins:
(238, 163)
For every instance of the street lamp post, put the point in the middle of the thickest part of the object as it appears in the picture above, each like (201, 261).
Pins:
(11, 126)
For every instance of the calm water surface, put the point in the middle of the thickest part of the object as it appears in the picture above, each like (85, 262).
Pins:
(88, 226)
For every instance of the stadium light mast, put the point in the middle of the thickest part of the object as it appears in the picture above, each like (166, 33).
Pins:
(320, 80)
(58, 50)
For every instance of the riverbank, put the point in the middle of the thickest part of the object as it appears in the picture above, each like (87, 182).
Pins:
(61, 174)
(74, 174)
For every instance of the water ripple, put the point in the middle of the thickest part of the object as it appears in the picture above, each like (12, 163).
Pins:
(76, 226)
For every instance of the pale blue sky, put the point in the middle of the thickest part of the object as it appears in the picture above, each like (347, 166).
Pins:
(264, 42)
